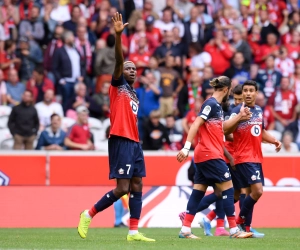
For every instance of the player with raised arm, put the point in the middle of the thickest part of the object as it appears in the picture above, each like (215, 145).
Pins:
(209, 158)
(126, 159)
(247, 139)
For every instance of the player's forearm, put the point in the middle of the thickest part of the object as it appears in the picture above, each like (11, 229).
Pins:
(118, 56)
(229, 137)
(230, 125)
(267, 137)
(227, 154)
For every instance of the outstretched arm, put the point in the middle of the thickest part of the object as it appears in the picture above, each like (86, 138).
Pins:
(119, 27)
(267, 137)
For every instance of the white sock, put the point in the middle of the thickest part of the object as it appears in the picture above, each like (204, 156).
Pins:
(185, 229)
(86, 213)
(207, 220)
(233, 230)
(132, 232)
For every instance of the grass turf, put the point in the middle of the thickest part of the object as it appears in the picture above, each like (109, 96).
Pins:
(166, 239)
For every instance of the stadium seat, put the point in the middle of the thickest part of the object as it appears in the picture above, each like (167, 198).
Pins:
(101, 145)
(276, 134)
(5, 135)
(94, 124)
(4, 115)
(178, 125)
(175, 138)
(66, 123)
(105, 124)
(7, 144)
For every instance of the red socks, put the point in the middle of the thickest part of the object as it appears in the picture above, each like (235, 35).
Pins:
(211, 215)
(239, 220)
(220, 222)
(93, 212)
(133, 224)
(247, 229)
(188, 219)
(231, 221)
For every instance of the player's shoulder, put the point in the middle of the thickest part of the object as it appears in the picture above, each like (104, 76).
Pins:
(236, 109)
(258, 108)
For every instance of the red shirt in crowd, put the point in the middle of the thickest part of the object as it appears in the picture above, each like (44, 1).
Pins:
(284, 103)
(5, 58)
(220, 57)
(46, 84)
(155, 34)
(262, 52)
(293, 50)
(137, 57)
(268, 117)
(79, 134)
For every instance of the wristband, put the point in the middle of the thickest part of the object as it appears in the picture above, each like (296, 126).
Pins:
(187, 145)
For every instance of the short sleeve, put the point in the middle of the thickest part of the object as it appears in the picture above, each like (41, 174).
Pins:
(118, 82)
(207, 110)
(234, 112)
(71, 133)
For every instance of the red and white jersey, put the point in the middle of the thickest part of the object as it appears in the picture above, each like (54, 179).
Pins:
(247, 137)
(124, 108)
(211, 136)
(286, 67)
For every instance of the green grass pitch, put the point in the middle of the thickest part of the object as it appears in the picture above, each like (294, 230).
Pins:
(166, 239)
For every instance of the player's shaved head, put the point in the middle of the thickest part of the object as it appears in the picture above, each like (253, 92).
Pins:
(128, 64)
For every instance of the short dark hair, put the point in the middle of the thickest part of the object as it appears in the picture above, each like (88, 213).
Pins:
(54, 115)
(238, 89)
(29, 91)
(168, 8)
(250, 83)
(39, 68)
(220, 82)
(8, 44)
(110, 41)
(74, 7)
(196, 46)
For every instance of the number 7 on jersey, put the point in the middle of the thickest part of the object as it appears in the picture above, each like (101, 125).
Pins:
(129, 166)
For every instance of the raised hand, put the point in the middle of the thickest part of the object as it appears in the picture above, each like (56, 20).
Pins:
(245, 113)
(118, 23)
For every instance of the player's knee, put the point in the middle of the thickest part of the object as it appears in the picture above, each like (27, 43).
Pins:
(218, 193)
(257, 193)
(122, 190)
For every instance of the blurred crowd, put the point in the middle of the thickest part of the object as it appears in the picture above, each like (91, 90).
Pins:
(57, 57)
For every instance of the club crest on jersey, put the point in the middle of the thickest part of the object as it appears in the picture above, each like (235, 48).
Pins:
(134, 107)
(253, 178)
(226, 175)
(121, 171)
(206, 110)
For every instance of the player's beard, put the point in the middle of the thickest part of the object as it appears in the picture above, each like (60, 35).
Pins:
(225, 98)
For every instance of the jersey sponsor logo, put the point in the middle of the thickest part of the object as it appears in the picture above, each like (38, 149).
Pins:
(255, 130)
(254, 123)
(253, 178)
(121, 171)
(134, 107)
(206, 110)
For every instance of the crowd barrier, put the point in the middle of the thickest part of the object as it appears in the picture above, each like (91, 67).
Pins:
(73, 168)
(54, 206)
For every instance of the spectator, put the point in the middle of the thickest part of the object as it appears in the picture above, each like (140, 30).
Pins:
(293, 46)
(102, 99)
(82, 99)
(148, 94)
(270, 48)
(79, 135)
(25, 8)
(9, 15)
(30, 55)
(288, 146)
(189, 93)
(23, 122)
(171, 84)
(246, 19)
(253, 39)
(151, 30)
(204, 18)
(8, 58)
(195, 32)
(57, 12)
(208, 74)
(15, 89)
(188, 120)
(48, 107)
(284, 64)
(3, 90)
(38, 84)
(155, 134)
(100, 22)
(199, 58)
(71, 24)
(52, 138)
(240, 45)
(184, 7)
(153, 68)
(54, 44)
(294, 128)
(269, 78)
(165, 23)
(267, 27)
(283, 102)
(220, 52)
(175, 136)
(83, 46)
(67, 68)
(144, 13)
(105, 60)
(295, 82)
(167, 48)
(141, 57)
(32, 27)
(238, 69)
(269, 121)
